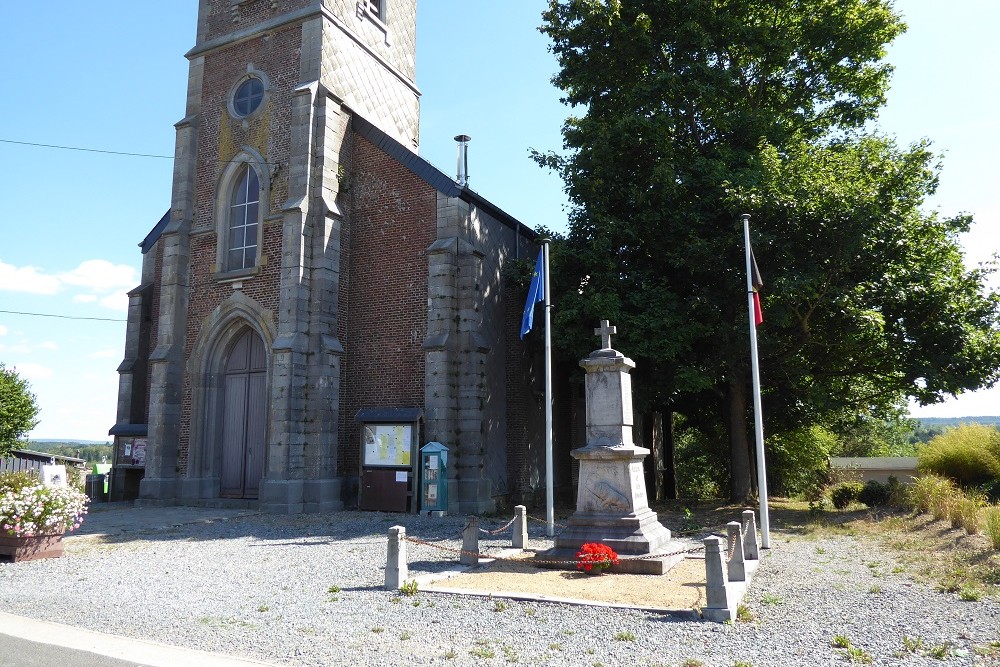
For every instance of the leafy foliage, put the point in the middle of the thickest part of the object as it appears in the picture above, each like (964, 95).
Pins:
(968, 454)
(874, 494)
(18, 410)
(798, 462)
(845, 493)
(694, 111)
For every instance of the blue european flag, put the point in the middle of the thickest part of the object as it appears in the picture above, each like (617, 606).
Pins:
(536, 294)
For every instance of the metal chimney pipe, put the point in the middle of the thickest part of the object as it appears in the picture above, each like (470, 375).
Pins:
(463, 159)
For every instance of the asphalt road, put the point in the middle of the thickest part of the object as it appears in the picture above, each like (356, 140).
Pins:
(16, 652)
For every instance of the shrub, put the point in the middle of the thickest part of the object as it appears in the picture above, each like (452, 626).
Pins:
(993, 526)
(925, 489)
(968, 454)
(943, 497)
(845, 493)
(969, 511)
(874, 494)
(799, 461)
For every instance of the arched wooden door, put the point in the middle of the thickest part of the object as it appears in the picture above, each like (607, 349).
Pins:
(244, 418)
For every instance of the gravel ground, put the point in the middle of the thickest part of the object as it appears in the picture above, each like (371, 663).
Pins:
(260, 587)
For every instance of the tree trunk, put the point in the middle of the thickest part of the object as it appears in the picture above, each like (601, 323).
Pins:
(739, 453)
(664, 424)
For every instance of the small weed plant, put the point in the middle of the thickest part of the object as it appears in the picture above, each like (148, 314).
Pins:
(624, 636)
(855, 654)
(743, 614)
(409, 588)
(969, 594)
(992, 526)
(840, 641)
(940, 651)
(482, 650)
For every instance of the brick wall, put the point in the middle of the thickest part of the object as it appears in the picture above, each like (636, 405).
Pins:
(222, 17)
(220, 139)
(384, 317)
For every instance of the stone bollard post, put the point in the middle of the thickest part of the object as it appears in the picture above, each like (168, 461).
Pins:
(751, 549)
(716, 589)
(470, 542)
(737, 563)
(396, 570)
(520, 538)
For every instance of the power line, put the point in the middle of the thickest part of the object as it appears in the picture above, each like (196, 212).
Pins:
(85, 150)
(35, 144)
(62, 317)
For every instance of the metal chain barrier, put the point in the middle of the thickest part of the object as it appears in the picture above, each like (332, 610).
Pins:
(499, 530)
(479, 554)
(695, 531)
(732, 547)
(554, 523)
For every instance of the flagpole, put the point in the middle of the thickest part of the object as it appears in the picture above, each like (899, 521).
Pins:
(758, 418)
(549, 496)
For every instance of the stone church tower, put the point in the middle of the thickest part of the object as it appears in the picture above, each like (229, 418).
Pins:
(312, 269)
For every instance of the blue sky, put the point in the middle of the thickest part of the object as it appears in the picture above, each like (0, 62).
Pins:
(111, 76)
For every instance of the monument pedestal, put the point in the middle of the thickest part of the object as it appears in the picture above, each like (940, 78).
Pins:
(611, 504)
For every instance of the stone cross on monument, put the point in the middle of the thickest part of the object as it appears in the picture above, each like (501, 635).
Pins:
(605, 331)
(611, 505)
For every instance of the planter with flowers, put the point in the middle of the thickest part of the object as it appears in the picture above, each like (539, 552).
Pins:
(595, 558)
(33, 517)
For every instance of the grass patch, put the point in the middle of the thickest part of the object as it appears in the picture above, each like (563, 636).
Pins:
(769, 598)
(624, 637)
(743, 614)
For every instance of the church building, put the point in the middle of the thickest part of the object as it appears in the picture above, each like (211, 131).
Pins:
(319, 302)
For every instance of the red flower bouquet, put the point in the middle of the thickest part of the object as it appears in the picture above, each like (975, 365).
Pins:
(594, 558)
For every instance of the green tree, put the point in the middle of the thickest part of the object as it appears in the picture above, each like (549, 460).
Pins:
(694, 111)
(17, 409)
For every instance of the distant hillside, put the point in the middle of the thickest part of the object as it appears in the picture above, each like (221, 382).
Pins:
(955, 421)
(69, 441)
(88, 450)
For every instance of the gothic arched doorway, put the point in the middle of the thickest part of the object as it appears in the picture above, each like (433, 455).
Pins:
(244, 417)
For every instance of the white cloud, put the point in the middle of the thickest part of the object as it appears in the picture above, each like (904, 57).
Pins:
(85, 298)
(47, 345)
(100, 275)
(27, 279)
(3, 330)
(108, 353)
(117, 301)
(32, 372)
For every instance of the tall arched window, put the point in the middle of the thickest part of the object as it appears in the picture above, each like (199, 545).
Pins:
(244, 207)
